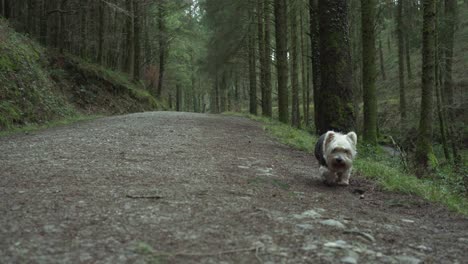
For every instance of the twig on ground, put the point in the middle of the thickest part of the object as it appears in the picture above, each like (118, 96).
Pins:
(143, 196)
(193, 254)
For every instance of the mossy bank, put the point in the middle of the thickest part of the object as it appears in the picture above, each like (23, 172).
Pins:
(39, 87)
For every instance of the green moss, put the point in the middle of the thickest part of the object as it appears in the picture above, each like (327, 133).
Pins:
(60, 122)
(6, 64)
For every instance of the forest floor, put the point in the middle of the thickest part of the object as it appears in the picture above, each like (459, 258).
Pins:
(165, 187)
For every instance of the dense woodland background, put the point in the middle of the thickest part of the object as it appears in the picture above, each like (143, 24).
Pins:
(394, 71)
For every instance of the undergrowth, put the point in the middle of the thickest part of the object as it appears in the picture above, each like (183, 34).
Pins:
(55, 123)
(374, 164)
(40, 88)
(27, 95)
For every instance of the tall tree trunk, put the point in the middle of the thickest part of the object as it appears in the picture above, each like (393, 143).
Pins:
(61, 27)
(406, 35)
(223, 93)
(408, 56)
(100, 33)
(315, 58)
(450, 18)
(337, 111)
(309, 78)
(162, 45)
(282, 58)
(295, 112)
(130, 38)
(43, 23)
(2, 6)
(441, 116)
(137, 31)
(382, 64)
(369, 71)
(438, 82)
(31, 17)
(178, 98)
(252, 71)
(83, 29)
(217, 94)
(266, 99)
(261, 51)
(401, 61)
(424, 153)
(304, 83)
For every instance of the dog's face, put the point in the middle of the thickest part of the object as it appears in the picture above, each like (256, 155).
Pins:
(339, 150)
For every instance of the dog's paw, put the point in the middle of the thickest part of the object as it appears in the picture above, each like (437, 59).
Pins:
(329, 183)
(343, 183)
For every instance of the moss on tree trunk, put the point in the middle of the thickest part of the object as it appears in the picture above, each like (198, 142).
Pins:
(424, 154)
(336, 93)
(369, 71)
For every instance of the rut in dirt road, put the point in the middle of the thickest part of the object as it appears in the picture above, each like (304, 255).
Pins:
(190, 188)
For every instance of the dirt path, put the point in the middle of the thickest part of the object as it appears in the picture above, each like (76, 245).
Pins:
(190, 188)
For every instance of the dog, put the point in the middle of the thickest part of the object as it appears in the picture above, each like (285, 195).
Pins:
(335, 152)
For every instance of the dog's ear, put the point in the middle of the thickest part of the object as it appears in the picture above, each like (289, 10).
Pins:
(329, 136)
(352, 137)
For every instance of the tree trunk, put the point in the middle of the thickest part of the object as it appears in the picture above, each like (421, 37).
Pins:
(408, 57)
(266, 99)
(61, 27)
(369, 71)
(401, 61)
(336, 93)
(282, 58)
(100, 33)
(382, 62)
(178, 98)
(315, 58)
(137, 31)
(43, 23)
(261, 51)
(304, 83)
(295, 112)
(129, 43)
(448, 92)
(252, 72)
(162, 45)
(83, 29)
(424, 153)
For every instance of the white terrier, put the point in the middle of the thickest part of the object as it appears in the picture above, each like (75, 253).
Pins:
(335, 153)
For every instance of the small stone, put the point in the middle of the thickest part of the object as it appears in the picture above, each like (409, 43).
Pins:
(363, 235)
(243, 167)
(407, 260)
(424, 248)
(361, 196)
(309, 247)
(308, 214)
(336, 244)
(407, 221)
(305, 226)
(333, 223)
(349, 260)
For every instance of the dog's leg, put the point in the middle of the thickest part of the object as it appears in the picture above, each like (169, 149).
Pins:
(344, 178)
(327, 175)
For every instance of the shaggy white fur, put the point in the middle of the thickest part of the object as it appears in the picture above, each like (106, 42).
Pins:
(338, 152)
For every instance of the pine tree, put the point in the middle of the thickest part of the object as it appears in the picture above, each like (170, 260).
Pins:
(369, 71)
(282, 58)
(336, 93)
(424, 152)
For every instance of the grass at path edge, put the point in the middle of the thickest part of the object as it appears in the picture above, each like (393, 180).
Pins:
(50, 124)
(372, 164)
